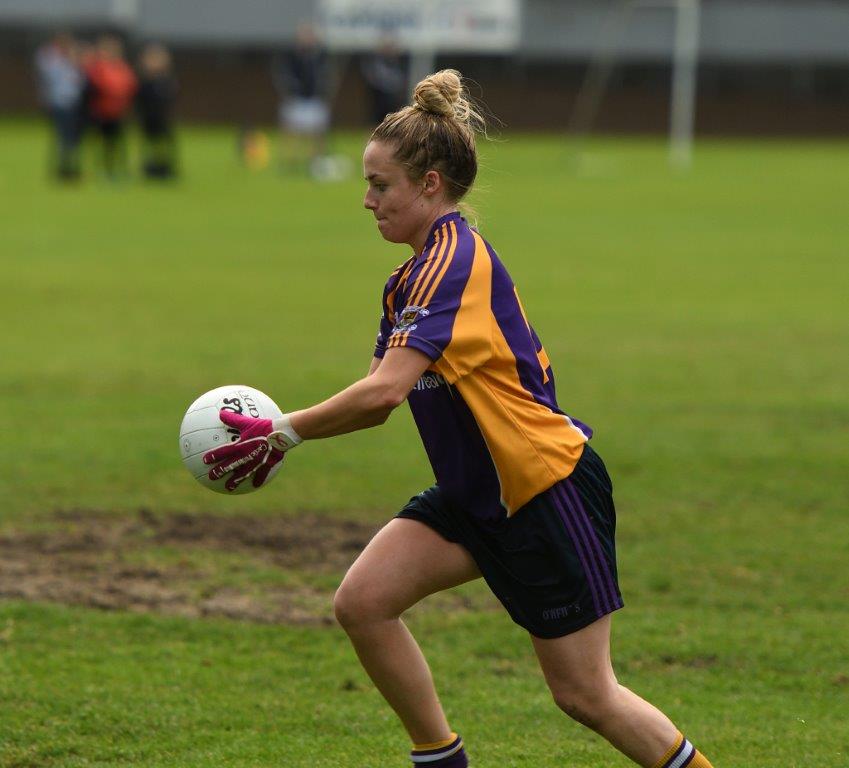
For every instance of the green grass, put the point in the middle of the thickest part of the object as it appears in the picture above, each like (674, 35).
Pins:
(697, 321)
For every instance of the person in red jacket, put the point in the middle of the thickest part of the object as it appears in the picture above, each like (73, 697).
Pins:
(112, 87)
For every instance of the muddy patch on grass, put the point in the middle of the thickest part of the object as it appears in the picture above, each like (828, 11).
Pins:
(276, 570)
(280, 570)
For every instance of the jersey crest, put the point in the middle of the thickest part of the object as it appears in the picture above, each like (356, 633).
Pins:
(405, 319)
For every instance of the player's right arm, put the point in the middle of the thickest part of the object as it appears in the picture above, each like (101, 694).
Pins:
(367, 402)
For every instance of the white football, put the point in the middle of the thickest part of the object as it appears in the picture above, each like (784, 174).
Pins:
(202, 430)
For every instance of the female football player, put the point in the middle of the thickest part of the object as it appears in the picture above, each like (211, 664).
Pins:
(520, 497)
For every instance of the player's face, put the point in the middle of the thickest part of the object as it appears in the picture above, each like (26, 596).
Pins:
(399, 204)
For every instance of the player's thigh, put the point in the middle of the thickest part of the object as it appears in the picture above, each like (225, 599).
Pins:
(405, 562)
(578, 666)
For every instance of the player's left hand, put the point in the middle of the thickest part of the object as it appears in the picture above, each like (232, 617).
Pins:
(262, 444)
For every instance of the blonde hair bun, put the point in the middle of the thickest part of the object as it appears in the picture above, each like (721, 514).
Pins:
(436, 132)
(442, 93)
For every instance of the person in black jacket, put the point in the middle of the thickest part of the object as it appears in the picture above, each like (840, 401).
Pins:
(385, 74)
(155, 101)
(302, 80)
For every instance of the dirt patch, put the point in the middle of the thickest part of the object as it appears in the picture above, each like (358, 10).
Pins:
(277, 570)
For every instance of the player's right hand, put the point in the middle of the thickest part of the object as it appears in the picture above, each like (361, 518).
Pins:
(259, 448)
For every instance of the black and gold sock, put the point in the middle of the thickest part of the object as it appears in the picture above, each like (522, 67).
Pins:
(440, 754)
(682, 754)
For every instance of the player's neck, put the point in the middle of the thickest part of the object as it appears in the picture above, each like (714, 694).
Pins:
(420, 240)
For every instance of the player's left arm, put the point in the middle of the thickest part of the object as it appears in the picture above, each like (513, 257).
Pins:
(367, 402)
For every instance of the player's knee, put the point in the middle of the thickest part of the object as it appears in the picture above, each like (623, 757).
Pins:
(589, 706)
(345, 606)
(357, 605)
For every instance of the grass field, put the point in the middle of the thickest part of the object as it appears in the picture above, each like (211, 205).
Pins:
(698, 322)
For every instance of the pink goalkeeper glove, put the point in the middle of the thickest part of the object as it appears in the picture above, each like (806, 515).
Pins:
(262, 444)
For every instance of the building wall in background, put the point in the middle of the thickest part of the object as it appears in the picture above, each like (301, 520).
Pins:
(732, 30)
(223, 22)
(768, 66)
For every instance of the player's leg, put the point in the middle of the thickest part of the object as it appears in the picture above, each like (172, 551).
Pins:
(111, 131)
(64, 121)
(289, 141)
(561, 545)
(406, 561)
(579, 673)
(286, 149)
(122, 151)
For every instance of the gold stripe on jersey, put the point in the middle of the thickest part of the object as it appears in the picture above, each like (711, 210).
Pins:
(390, 299)
(437, 247)
(444, 257)
(544, 362)
(430, 265)
(399, 339)
(449, 258)
(470, 335)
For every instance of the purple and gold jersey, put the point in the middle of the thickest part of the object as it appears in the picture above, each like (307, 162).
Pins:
(486, 408)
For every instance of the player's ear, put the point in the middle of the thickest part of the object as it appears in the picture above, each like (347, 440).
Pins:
(431, 182)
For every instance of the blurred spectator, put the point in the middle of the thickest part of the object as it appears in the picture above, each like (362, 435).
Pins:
(385, 73)
(301, 77)
(112, 87)
(155, 102)
(61, 86)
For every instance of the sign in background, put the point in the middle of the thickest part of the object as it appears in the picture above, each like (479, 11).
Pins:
(423, 25)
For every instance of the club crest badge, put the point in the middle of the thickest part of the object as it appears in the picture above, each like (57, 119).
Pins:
(405, 320)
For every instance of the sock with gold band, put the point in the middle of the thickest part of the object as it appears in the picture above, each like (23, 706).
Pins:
(441, 754)
(682, 754)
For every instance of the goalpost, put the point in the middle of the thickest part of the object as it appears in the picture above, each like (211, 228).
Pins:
(684, 82)
(684, 55)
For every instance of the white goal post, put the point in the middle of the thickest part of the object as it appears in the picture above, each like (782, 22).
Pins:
(684, 57)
